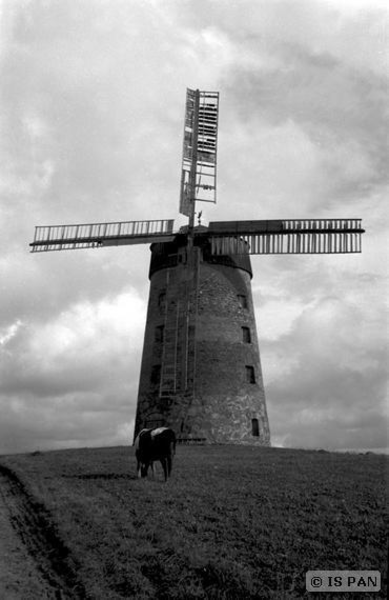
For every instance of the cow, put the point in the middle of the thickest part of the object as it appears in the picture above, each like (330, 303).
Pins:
(155, 444)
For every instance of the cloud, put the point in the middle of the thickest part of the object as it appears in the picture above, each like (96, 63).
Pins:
(73, 374)
(57, 355)
(325, 380)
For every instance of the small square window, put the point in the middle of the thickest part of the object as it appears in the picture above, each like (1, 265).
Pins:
(250, 374)
(162, 301)
(155, 374)
(159, 333)
(243, 300)
(255, 427)
(246, 335)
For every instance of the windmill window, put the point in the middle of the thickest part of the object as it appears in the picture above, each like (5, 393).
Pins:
(250, 374)
(246, 335)
(159, 333)
(162, 301)
(255, 427)
(155, 374)
(243, 300)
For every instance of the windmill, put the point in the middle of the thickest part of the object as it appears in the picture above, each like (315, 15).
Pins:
(201, 370)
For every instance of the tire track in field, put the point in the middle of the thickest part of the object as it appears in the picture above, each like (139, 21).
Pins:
(35, 527)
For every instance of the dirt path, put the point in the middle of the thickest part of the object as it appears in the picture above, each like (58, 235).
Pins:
(19, 574)
(34, 563)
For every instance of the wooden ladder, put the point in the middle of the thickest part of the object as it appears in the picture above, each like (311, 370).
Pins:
(178, 351)
(168, 383)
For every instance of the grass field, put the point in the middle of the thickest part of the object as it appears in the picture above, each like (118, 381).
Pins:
(233, 522)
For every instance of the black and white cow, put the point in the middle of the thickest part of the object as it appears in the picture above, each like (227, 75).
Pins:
(155, 444)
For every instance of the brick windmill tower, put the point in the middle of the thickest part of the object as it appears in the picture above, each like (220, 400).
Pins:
(201, 371)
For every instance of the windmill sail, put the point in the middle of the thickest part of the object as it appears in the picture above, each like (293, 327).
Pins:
(199, 155)
(97, 235)
(297, 236)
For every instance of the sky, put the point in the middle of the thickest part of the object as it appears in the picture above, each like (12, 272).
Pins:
(92, 100)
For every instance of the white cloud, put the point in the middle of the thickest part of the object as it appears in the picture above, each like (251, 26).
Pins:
(89, 326)
(9, 332)
(277, 317)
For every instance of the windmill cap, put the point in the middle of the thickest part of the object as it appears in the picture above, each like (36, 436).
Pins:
(166, 255)
(198, 229)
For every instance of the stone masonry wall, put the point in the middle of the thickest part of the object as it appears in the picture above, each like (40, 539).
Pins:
(227, 403)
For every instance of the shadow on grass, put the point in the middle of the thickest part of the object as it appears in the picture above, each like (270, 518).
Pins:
(114, 477)
(102, 476)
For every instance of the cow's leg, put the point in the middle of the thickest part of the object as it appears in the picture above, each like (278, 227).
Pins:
(139, 469)
(165, 467)
(152, 469)
(144, 469)
(168, 465)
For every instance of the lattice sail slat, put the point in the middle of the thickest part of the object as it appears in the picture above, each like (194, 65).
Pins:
(303, 236)
(97, 235)
(199, 149)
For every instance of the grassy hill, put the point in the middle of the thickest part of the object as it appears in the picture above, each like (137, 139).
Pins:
(233, 522)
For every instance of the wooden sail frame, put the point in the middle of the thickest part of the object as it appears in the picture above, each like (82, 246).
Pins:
(98, 235)
(295, 236)
(199, 153)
